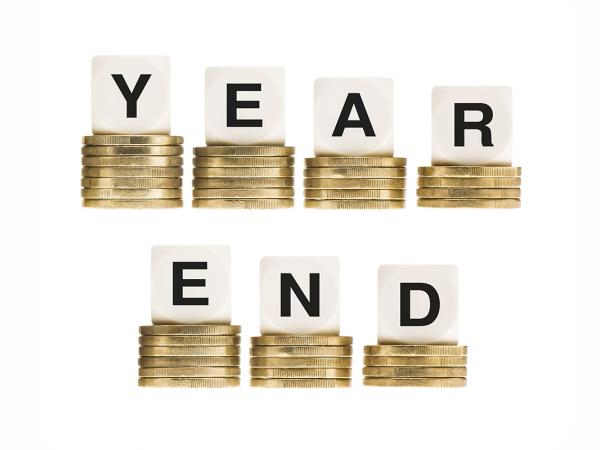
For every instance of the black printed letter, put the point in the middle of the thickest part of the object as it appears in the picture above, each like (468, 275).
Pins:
(460, 126)
(131, 97)
(179, 282)
(354, 100)
(311, 304)
(233, 104)
(434, 304)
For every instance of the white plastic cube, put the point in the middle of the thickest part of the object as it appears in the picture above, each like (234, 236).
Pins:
(191, 284)
(244, 106)
(300, 295)
(418, 304)
(471, 126)
(131, 95)
(354, 116)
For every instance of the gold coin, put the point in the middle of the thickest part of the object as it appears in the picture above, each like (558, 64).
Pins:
(307, 361)
(131, 183)
(144, 172)
(190, 330)
(355, 161)
(355, 172)
(300, 373)
(414, 372)
(482, 182)
(140, 150)
(361, 194)
(469, 193)
(243, 161)
(469, 203)
(300, 382)
(304, 340)
(196, 350)
(299, 350)
(189, 382)
(353, 204)
(242, 183)
(243, 172)
(134, 161)
(130, 193)
(442, 361)
(469, 171)
(182, 361)
(355, 183)
(415, 350)
(162, 341)
(243, 150)
(416, 382)
(244, 193)
(139, 139)
(132, 204)
(243, 203)
(191, 372)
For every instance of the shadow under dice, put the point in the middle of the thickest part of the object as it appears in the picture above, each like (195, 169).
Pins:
(299, 295)
(131, 95)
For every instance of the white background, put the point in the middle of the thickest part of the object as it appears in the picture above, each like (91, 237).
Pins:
(75, 282)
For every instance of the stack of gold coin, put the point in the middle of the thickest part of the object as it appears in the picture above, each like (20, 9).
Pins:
(469, 187)
(415, 365)
(354, 182)
(132, 171)
(246, 177)
(294, 361)
(192, 356)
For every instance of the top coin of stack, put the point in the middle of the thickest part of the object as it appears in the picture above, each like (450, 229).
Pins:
(469, 187)
(246, 177)
(354, 182)
(132, 171)
(415, 365)
(193, 356)
(296, 361)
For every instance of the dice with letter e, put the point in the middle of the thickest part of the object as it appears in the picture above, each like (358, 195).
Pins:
(191, 284)
(471, 125)
(300, 295)
(244, 106)
(354, 117)
(131, 95)
(418, 304)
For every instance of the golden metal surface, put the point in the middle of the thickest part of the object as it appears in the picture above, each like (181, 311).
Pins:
(190, 330)
(354, 204)
(172, 341)
(243, 161)
(244, 193)
(189, 382)
(416, 382)
(242, 183)
(243, 150)
(131, 183)
(241, 203)
(485, 193)
(355, 183)
(300, 373)
(189, 372)
(351, 194)
(137, 139)
(184, 361)
(355, 161)
(304, 340)
(300, 382)
(355, 172)
(121, 150)
(132, 160)
(415, 350)
(469, 171)
(189, 350)
(301, 350)
(414, 372)
(500, 203)
(241, 172)
(132, 204)
(482, 182)
(308, 361)
(441, 361)
(145, 172)
(130, 194)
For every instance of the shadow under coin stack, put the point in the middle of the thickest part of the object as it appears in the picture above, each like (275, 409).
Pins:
(469, 187)
(245, 177)
(191, 356)
(132, 171)
(415, 365)
(354, 182)
(294, 361)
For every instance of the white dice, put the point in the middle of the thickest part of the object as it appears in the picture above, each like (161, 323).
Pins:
(244, 106)
(471, 126)
(191, 284)
(300, 295)
(354, 116)
(131, 95)
(418, 304)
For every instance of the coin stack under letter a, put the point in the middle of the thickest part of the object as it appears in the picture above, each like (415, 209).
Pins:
(471, 150)
(300, 346)
(245, 163)
(191, 342)
(354, 166)
(131, 161)
(417, 331)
